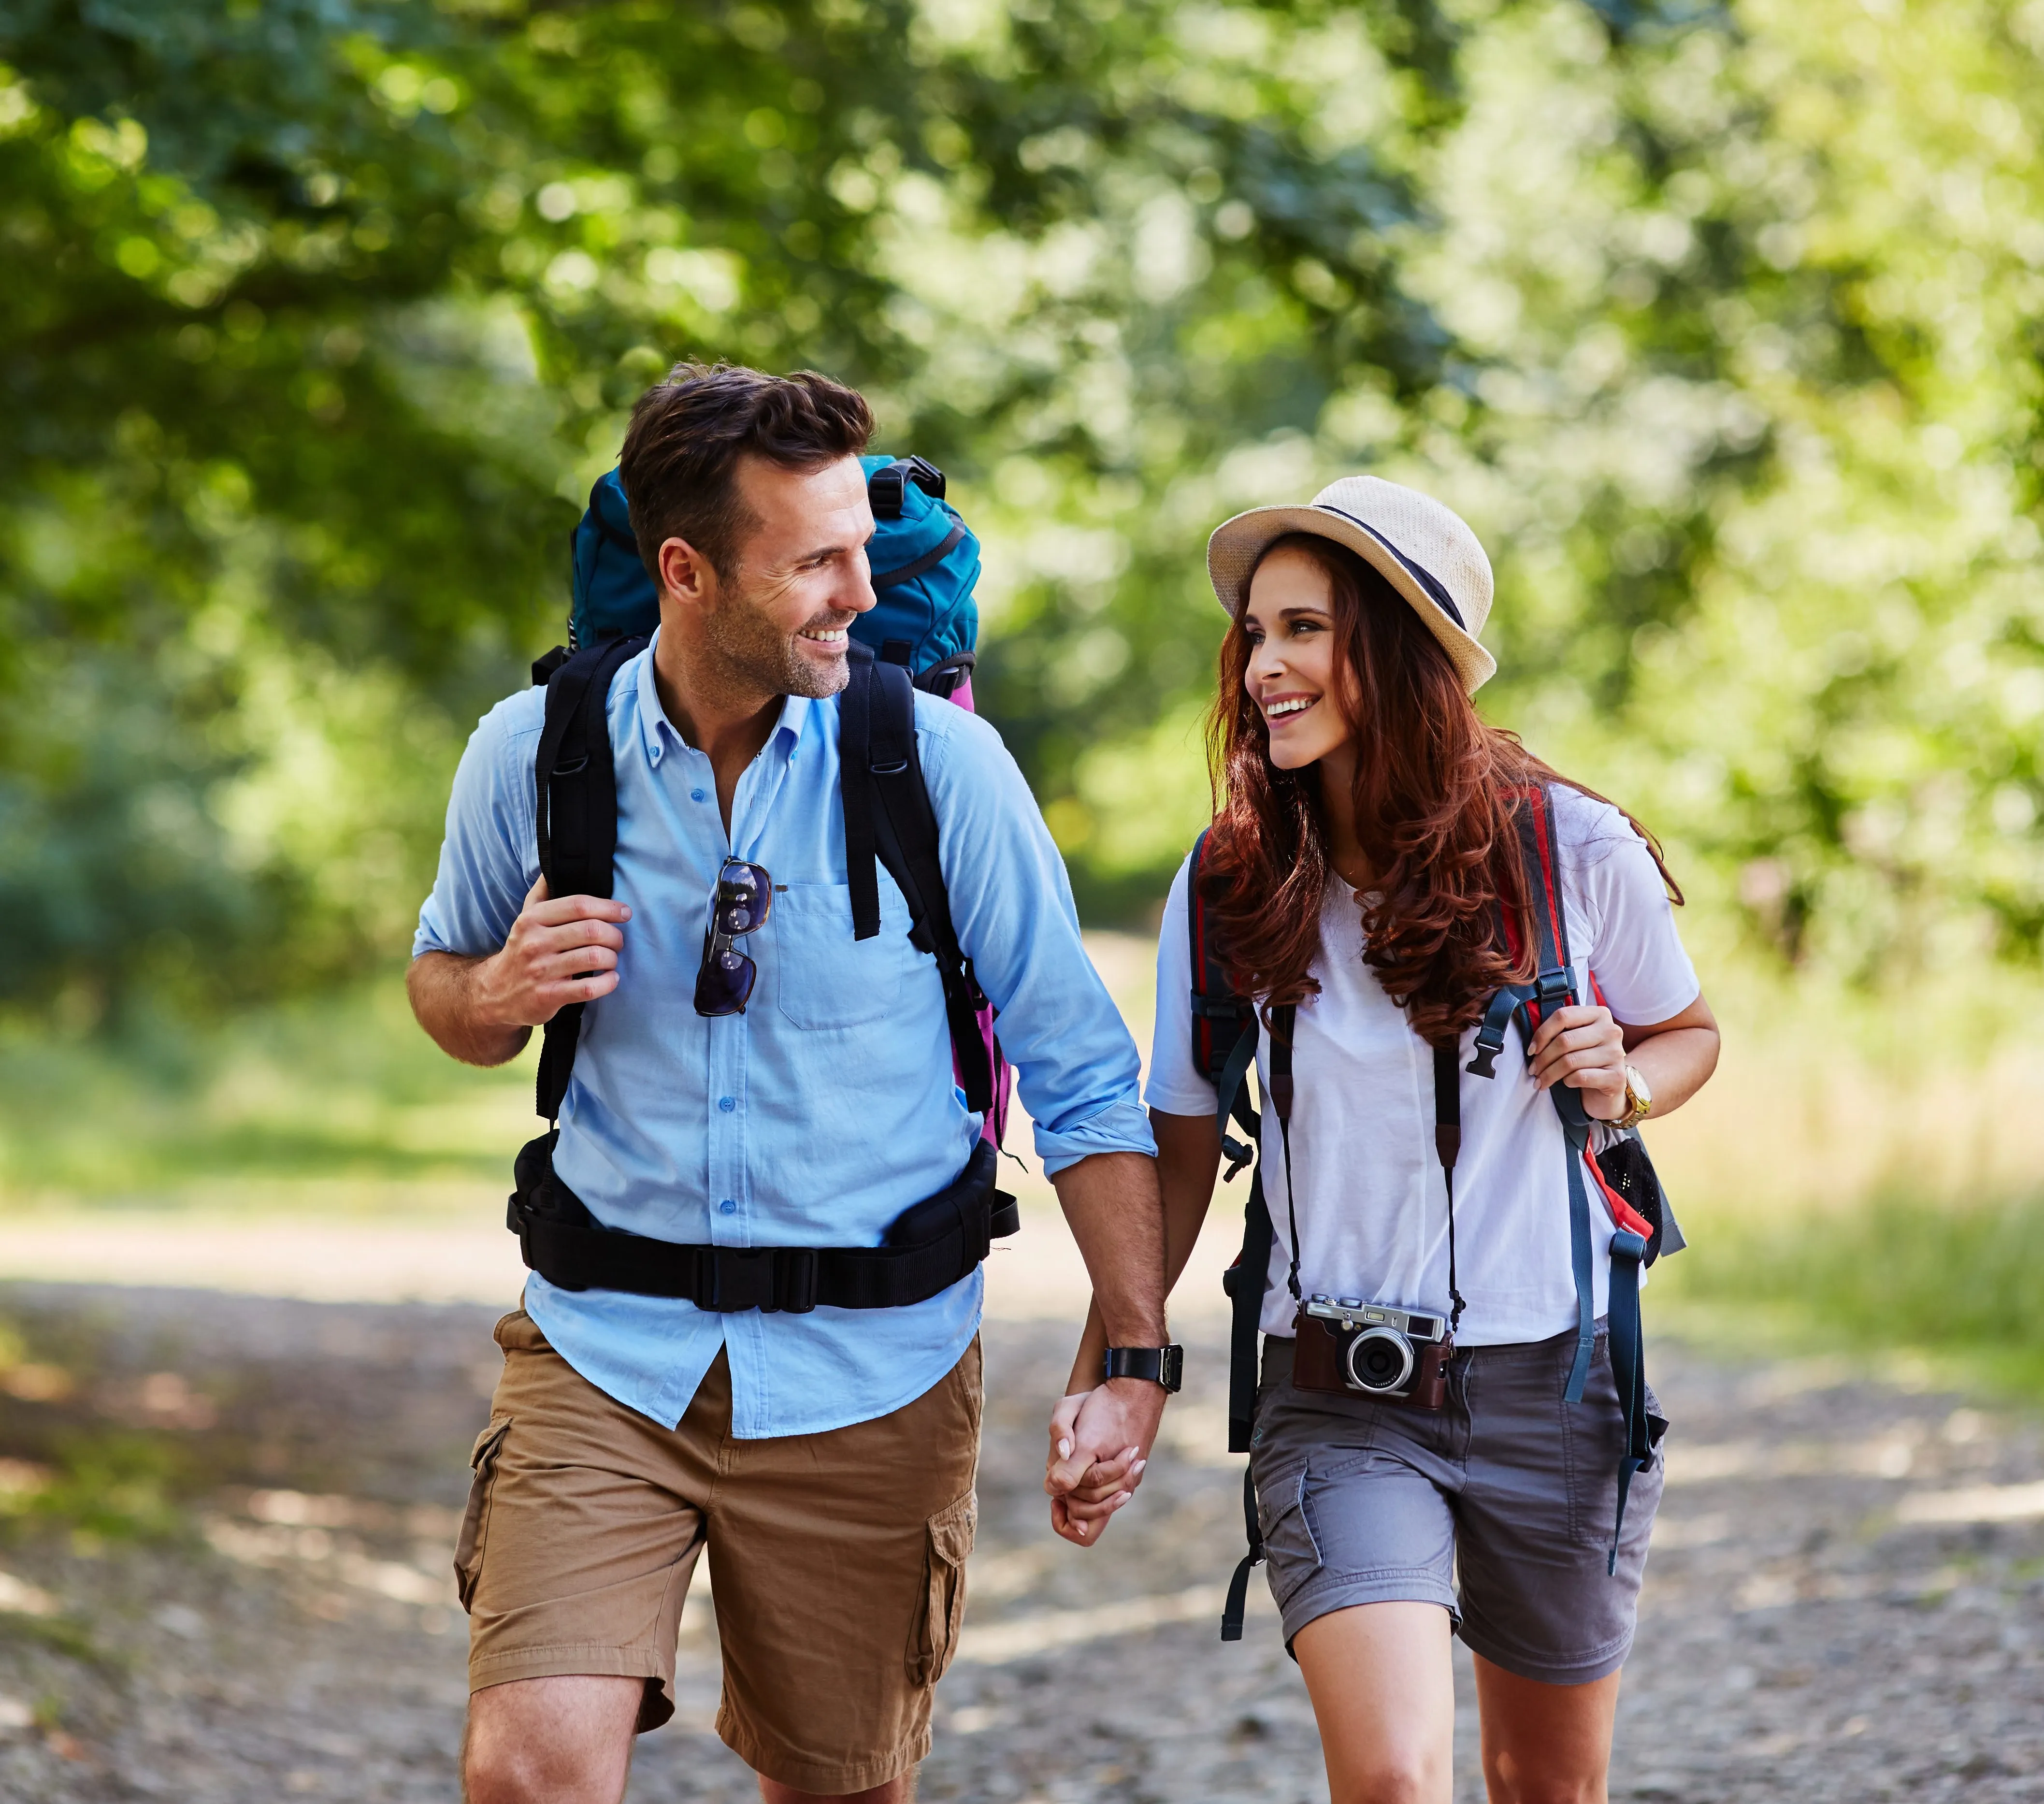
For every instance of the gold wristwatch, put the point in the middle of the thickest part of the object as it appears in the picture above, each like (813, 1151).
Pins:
(1639, 1099)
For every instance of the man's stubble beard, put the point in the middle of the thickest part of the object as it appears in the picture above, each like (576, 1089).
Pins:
(752, 653)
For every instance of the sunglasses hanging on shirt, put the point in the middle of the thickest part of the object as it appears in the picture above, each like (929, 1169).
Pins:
(725, 979)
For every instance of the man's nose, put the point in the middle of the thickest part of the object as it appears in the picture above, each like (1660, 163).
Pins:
(857, 591)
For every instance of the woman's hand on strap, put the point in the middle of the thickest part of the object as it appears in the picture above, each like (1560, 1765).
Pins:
(1584, 1047)
(1587, 1049)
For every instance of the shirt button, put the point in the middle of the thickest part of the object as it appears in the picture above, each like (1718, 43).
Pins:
(727, 1207)
(695, 795)
(727, 1103)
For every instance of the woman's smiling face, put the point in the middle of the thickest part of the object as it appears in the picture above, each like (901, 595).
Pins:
(1296, 673)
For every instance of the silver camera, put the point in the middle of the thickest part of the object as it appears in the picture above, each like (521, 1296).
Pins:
(1394, 1354)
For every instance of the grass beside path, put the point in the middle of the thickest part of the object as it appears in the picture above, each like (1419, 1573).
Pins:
(338, 1104)
(1897, 1278)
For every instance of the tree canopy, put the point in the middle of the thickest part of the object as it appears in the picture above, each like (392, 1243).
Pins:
(320, 317)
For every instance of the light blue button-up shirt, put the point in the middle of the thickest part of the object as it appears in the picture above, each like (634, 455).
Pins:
(815, 1118)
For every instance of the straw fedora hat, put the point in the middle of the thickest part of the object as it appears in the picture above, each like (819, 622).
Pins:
(1426, 551)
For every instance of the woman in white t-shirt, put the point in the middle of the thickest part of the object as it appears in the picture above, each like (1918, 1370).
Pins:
(1362, 861)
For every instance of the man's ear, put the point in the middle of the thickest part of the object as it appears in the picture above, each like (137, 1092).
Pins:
(686, 577)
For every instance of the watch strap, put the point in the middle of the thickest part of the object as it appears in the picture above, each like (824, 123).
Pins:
(1159, 1365)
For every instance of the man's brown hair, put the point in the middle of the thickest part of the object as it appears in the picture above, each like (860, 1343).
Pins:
(679, 466)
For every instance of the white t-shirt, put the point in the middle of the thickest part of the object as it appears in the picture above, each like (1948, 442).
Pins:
(1372, 1203)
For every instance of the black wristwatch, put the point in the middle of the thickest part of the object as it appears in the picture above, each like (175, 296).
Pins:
(1160, 1365)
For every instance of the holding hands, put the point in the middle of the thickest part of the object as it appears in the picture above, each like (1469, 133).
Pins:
(1100, 1444)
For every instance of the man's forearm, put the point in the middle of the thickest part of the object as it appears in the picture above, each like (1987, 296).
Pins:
(447, 999)
(1116, 1215)
(1188, 1160)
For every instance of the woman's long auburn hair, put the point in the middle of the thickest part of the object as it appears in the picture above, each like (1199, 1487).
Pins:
(1433, 800)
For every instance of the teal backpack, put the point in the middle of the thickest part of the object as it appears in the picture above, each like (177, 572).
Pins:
(925, 564)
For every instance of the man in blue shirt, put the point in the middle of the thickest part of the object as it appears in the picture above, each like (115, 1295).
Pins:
(824, 1458)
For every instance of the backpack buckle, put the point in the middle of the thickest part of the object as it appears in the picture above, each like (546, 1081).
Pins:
(795, 1280)
(741, 1278)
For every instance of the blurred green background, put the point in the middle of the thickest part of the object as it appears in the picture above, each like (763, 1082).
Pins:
(1718, 322)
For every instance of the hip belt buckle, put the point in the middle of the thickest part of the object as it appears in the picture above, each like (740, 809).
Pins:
(767, 1279)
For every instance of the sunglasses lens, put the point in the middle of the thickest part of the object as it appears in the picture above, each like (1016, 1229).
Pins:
(744, 894)
(724, 984)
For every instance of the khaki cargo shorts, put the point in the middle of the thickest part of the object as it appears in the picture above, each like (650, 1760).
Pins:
(837, 1560)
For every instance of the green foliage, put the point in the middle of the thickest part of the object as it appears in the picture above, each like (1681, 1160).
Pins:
(317, 318)
(1894, 1276)
(320, 314)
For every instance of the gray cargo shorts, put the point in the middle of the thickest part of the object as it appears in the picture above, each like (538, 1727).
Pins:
(1507, 1489)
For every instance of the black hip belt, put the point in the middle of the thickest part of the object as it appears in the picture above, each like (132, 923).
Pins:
(929, 1247)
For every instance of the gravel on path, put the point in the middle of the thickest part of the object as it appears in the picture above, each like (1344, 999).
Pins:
(1846, 1598)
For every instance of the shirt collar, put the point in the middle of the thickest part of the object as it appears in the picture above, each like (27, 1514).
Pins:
(657, 732)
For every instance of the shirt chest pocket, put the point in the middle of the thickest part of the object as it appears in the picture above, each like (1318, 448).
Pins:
(822, 977)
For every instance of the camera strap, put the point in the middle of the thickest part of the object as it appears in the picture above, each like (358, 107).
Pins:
(1447, 1148)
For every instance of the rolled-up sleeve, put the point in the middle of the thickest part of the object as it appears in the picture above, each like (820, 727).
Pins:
(1011, 902)
(490, 858)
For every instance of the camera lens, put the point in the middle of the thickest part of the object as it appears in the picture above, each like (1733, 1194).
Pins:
(1380, 1360)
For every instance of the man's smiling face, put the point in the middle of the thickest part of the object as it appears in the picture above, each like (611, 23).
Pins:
(800, 578)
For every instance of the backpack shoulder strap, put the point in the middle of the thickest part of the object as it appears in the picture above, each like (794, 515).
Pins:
(888, 818)
(574, 810)
(1554, 983)
(1540, 864)
(1225, 1031)
(1224, 1023)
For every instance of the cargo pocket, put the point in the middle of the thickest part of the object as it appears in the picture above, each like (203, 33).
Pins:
(1289, 1544)
(475, 1518)
(938, 1621)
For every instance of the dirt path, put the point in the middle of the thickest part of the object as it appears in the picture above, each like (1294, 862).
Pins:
(1845, 1601)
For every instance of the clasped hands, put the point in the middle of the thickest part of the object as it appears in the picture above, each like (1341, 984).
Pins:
(1100, 1444)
